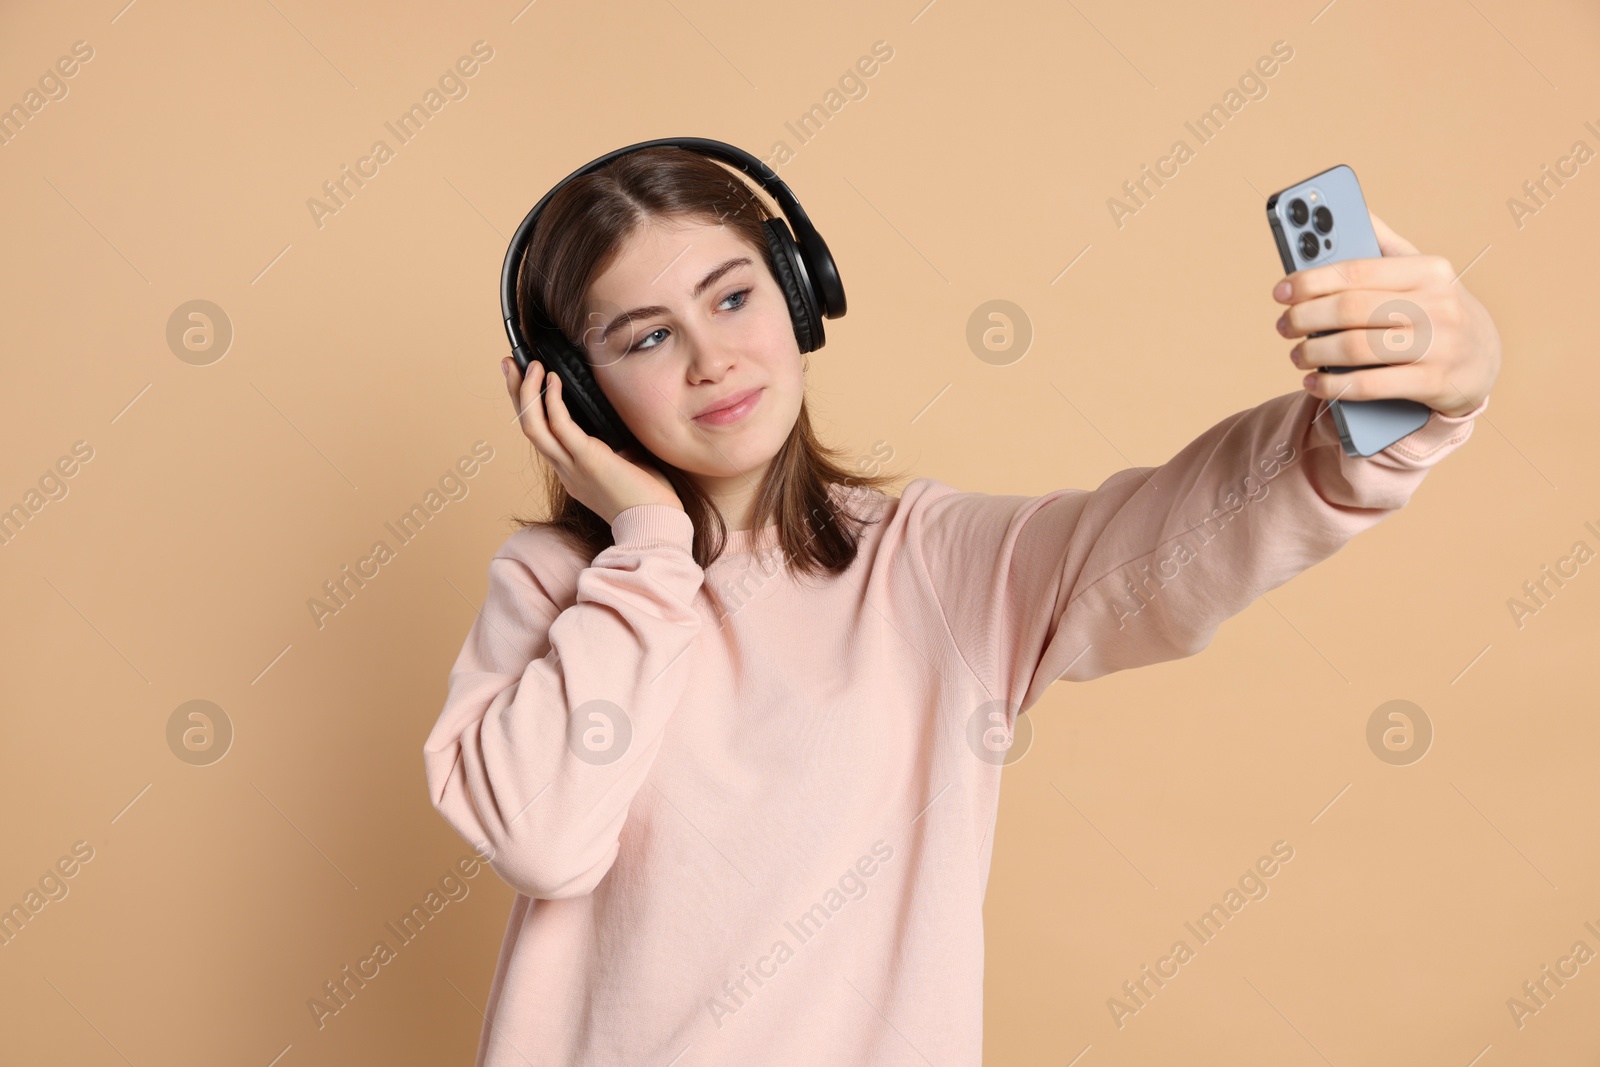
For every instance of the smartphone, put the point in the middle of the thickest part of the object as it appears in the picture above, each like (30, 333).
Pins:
(1321, 220)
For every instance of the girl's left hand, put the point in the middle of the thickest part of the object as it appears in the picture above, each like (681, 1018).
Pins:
(1405, 310)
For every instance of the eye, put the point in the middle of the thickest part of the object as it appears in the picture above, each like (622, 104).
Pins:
(742, 294)
(641, 346)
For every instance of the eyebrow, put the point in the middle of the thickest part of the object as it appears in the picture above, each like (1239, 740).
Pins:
(656, 309)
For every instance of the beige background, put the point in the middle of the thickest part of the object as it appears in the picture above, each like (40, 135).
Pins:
(219, 498)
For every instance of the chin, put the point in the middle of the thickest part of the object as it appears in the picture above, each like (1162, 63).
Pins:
(735, 456)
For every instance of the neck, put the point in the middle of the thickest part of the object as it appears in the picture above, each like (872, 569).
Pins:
(733, 496)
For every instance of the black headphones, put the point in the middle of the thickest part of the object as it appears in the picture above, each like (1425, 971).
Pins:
(802, 265)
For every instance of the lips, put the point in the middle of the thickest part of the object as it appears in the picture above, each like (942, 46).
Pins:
(729, 401)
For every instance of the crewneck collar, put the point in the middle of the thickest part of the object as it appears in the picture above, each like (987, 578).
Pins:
(749, 540)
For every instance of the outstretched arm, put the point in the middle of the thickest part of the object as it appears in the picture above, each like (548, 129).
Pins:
(1076, 583)
(1079, 583)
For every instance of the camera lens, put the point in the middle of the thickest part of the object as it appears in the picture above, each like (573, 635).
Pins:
(1309, 245)
(1323, 220)
(1297, 211)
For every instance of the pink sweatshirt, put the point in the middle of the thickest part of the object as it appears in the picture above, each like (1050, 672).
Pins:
(749, 818)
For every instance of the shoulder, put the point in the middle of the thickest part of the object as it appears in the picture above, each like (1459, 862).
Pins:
(943, 527)
(541, 559)
(901, 522)
(883, 515)
(921, 493)
(928, 502)
(880, 505)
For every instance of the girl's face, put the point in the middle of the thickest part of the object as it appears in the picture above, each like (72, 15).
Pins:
(687, 318)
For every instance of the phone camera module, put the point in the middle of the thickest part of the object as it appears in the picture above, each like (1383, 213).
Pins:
(1298, 213)
(1309, 245)
(1323, 220)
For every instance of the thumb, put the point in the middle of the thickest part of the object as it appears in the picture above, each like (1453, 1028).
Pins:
(1389, 242)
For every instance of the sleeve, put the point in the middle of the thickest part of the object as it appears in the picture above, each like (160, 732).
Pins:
(1079, 583)
(553, 718)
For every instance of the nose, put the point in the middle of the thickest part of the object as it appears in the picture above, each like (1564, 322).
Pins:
(709, 357)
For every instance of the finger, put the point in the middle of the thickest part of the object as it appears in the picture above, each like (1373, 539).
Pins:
(1394, 344)
(1389, 242)
(517, 383)
(1399, 273)
(568, 432)
(513, 379)
(1379, 383)
(531, 412)
(1348, 310)
(516, 379)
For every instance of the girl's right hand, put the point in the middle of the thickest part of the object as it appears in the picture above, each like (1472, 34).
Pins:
(606, 482)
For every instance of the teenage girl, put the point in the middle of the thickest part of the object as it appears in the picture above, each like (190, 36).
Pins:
(732, 720)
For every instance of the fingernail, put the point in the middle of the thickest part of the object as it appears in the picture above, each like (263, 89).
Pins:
(1281, 290)
(505, 368)
(1309, 380)
(1283, 322)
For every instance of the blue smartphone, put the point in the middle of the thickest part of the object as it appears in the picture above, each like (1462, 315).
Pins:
(1321, 220)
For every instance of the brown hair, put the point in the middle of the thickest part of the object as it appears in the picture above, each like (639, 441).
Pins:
(580, 233)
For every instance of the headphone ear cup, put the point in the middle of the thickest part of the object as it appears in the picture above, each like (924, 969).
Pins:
(585, 401)
(790, 274)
